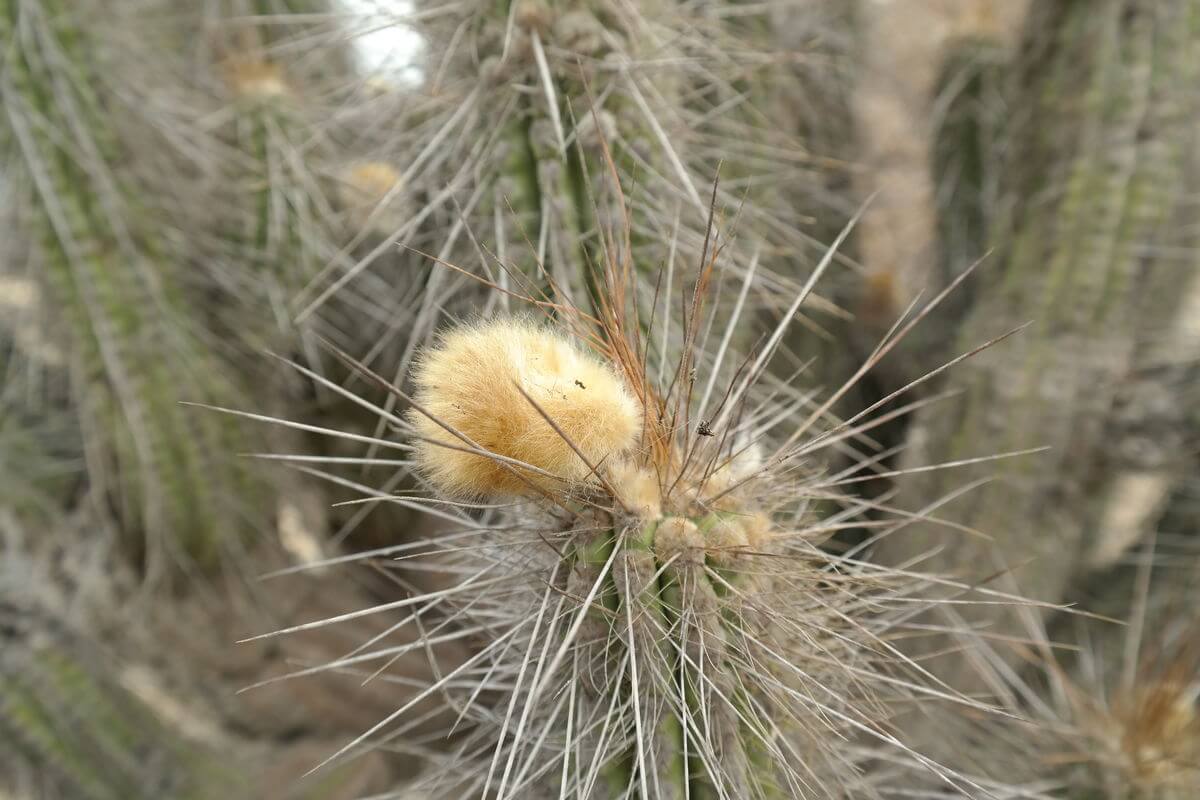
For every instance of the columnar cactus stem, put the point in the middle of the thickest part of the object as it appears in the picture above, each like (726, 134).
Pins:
(133, 336)
(685, 643)
(284, 236)
(568, 99)
(1102, 148)
(62, 710)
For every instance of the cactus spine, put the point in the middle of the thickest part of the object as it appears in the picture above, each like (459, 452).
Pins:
(1104, 148)
(106, 262)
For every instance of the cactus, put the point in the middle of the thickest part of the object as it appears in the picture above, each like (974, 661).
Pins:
(1102, 165)
(506, 146)
(134, 336)
(638, 584)
(276, 232)
(660, 618)
(62, 713)
(639, 558)
(1113, 716)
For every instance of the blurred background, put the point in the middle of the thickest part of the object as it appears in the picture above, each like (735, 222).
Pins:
(194, 193)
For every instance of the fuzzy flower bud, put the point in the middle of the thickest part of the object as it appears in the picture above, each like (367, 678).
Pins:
(473, 382)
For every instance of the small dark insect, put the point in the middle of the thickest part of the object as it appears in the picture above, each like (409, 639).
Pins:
(704, 430)
(579, 383)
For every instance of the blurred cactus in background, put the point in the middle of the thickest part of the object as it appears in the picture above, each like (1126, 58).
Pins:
(604, 447)
(103, 258)
(1094, 210)
(75, 734)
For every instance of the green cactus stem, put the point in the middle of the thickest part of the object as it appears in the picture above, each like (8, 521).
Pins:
(106, 263)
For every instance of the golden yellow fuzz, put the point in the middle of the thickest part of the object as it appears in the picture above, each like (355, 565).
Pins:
(1159, 733)
(255, 80)
(370, 181)
(470, 383)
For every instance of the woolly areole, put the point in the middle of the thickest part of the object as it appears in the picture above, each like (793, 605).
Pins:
(472, 382)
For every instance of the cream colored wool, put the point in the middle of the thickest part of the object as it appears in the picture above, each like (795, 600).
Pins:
(637, 487)
(469, 382)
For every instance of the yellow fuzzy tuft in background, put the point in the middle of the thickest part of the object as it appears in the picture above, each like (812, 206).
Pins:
(251, 79)
(366, 186)
(470, 381)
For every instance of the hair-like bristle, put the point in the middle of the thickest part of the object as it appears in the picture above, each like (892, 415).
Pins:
(661, 620)
(635, 550)
(482, 382)
(1104, 709)
(105, 259)
(1158, 730)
